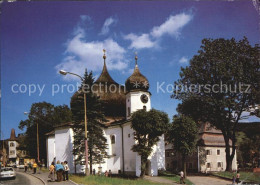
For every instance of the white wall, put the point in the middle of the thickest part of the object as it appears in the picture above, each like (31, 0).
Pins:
(213, 158)
(134, 102)
(12, 148)
(50, 149)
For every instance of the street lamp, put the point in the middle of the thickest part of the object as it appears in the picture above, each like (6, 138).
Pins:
(38, 149)
(63, 72)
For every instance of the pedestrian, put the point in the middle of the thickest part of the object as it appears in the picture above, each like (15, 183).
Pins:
(51, 174)
(94, 171)
(233, 179)
(25, 167)
(30, 166)
(237, 177)
(109, 173)
(66, 170)
(63, 173)
(59, 170)
(182, 178)
(106, 173)
(34, 167)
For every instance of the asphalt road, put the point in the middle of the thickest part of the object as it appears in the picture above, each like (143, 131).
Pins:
(22, 179)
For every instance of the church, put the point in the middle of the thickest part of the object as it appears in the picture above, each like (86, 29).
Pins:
(119, 103)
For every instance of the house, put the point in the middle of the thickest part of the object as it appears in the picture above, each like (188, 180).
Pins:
(209, 156)
(119, 103)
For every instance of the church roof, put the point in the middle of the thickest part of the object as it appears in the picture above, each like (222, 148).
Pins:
(137, 81)
(105, 76)
(12, 136)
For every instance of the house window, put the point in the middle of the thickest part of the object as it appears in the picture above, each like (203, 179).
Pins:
(12, 144)
(208, 165)
(218, 152)
(113, 139)
(208, 152)
(220, 164)
(12, 152)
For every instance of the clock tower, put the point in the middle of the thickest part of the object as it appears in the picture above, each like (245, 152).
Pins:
(137, 96)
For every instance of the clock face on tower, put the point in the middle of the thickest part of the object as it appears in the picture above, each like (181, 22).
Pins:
(144, 98)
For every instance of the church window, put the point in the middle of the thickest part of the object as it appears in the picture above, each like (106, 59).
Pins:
(218, 152)
(11, 144)
(128, 111)
(113, 139)
(113, 145)
(144, 107)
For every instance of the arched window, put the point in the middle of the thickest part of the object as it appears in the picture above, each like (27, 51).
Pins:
(11, 144)
(113, 145)
(113, 139)
(144, 107)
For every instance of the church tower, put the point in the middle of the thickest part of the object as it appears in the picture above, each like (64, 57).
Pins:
(137, 96)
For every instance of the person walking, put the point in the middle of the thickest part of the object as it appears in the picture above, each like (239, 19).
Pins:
(51, 174)
(237, 177)
(182, 178)
(66, 170)
(34, 167)
(25, 167)
(59, 170)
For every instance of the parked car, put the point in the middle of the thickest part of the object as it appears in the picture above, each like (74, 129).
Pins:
(20, 166)
(7, 172)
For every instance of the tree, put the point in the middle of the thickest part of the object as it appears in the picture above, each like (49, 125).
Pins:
(183, 135)
(148, 127)
(219, 84)
(97, 142)
(46, 116)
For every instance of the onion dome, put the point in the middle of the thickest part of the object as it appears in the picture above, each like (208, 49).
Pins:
(137, 81)
(110, 93)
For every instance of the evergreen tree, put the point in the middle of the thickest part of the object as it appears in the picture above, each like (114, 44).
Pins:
(97, 142)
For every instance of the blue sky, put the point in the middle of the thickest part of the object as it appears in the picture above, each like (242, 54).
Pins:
(39, 38)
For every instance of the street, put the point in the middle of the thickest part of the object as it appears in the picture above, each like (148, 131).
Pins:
(22, 178)
(207, 180)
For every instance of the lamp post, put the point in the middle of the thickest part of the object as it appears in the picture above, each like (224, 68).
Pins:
(85, 109)
(38, 149)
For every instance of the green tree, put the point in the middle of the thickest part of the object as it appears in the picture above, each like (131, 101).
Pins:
(97, 142)
(148, 127)
(222, 81)
(46, 116)
(183, 135)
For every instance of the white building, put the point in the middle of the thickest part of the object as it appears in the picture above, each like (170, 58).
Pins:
(119, 103)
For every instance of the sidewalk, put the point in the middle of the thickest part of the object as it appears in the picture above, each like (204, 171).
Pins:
(44, 177)
(161, 180)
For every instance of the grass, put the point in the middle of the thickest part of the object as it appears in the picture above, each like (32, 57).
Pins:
(96, 180)
(244, 176)
(174, 177)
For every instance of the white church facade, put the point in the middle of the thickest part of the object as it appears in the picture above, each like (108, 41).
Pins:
(118, 107)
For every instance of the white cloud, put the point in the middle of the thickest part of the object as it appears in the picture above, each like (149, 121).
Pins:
(108, 22)
(183, 60)
(140, 42)
(81, 54)
(172, 26)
